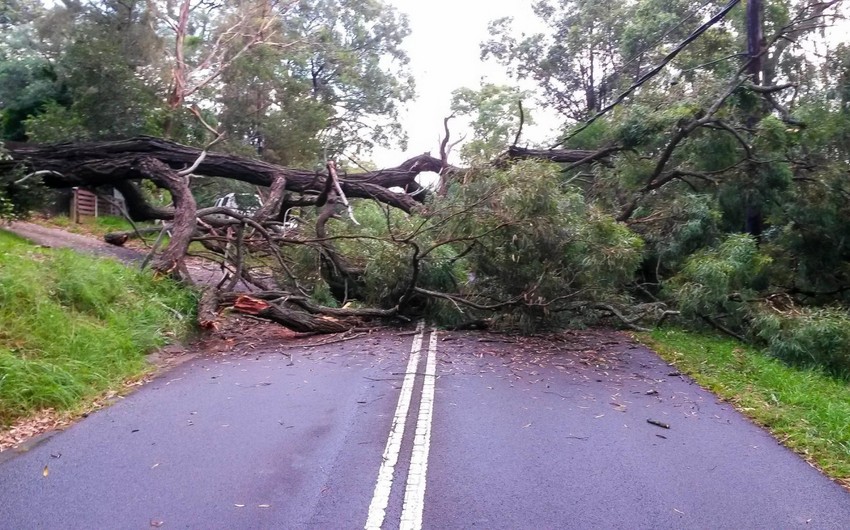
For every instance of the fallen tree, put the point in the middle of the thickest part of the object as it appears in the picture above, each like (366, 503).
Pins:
(266, 250)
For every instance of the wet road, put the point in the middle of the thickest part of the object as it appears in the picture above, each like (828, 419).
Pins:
(398, 430)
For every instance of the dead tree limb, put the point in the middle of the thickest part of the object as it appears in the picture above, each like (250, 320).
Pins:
(521, 123)
(299, 321)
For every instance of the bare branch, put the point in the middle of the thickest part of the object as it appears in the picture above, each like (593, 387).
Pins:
(521, 122)
(341, 194)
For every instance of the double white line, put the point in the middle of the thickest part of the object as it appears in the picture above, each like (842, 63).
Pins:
(414, 493)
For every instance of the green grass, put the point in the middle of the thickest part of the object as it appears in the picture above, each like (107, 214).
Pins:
(96, 226)
(72, 327)
(805, 409)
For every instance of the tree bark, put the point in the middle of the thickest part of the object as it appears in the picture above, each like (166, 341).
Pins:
(208, 310)
(185, 217)
(116, 162)
(299, 321)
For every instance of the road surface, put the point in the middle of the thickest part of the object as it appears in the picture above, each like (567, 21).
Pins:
(408, 430)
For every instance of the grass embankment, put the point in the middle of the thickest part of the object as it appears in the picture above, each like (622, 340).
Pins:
(806, 410)
(72, 327)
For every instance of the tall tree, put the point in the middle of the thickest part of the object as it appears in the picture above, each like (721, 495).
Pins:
(356, 66)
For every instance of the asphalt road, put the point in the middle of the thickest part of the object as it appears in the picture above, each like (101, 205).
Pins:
(495, 434)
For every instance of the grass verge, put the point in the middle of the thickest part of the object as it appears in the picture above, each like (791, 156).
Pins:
(808, 411)
(73, 327)
(91, 226)
(97, 227)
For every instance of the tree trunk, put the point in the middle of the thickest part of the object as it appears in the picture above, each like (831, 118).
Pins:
(115, 163)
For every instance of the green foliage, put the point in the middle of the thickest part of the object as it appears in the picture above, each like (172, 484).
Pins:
(27, 86)
(640, 125)
(542, 244)
(494, 117)
(572, 62)
(332, 75)
(56, 123)
(19, 193)
(74, 326)
(812, 337)
(354, 67)
(322, 295)
(717, 282)
(691, 224)
(75, 72)
(591, 137)
(109, 98)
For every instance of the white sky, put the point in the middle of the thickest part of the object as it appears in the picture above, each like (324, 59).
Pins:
(445, 55)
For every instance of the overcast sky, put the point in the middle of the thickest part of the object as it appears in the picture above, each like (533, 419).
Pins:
(445, 55)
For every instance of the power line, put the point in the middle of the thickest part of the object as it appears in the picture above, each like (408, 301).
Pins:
(661, 38)
(650, 74)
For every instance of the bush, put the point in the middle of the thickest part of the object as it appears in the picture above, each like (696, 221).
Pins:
(718, 282)
(540, 243)
(813, 337)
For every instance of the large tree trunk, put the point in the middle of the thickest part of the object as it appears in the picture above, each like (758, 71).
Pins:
(185, 217)
(116, 162)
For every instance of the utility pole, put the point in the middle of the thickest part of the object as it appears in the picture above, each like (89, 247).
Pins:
(754, 221)
(754, 39)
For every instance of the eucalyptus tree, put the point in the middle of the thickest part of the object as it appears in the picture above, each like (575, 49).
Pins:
(356, 68)
(495, 115)
(338, 87)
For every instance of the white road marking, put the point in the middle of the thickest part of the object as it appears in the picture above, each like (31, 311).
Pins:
(381, 496)
(414, 494)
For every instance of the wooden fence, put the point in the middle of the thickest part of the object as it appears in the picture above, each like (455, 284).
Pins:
(86, 203)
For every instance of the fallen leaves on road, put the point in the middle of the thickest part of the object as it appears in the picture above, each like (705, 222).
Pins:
(26, 428)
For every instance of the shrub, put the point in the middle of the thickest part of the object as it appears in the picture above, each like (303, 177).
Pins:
(718, 282)
(807, 337)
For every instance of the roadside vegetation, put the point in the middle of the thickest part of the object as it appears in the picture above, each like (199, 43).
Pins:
(806, 409)
(74, 327)
(94, 226)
